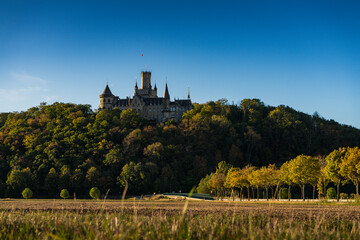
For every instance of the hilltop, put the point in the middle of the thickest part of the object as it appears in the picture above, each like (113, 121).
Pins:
(51, 147)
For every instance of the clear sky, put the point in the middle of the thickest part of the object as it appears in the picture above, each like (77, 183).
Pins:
(304, 54)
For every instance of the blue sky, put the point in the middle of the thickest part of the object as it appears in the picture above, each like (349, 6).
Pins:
(304, 54)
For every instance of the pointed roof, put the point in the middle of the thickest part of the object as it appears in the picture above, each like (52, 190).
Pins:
(188, 93)
(166, 92)
(155, 88)
(106, 92)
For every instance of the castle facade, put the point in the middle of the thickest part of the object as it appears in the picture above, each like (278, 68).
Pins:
(147, 103)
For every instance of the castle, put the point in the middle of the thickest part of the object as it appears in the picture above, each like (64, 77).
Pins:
(146, 102)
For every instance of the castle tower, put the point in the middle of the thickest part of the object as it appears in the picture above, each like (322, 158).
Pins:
(106, 99)
(145, 80)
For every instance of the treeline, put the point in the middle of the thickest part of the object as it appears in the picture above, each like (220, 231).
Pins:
(340, 166)
(67, 146)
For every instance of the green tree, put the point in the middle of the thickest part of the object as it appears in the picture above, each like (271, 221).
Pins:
(51, 182)
(350, 167)
(92, 176)
(203, 186)
(27, 193)
(331, 193)
(133, 174)
(64, 180)
(332, 169)
(20, 179)
(64, 194)
(95, 193)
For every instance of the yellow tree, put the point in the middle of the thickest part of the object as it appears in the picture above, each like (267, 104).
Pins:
(255, 180)
(267, 178)
(304, 170)
(285, 176)
(216, 182)
(323, 178)
(350, 167)
(238, 178)
(332, 169)
(246, 182)
(232, 180)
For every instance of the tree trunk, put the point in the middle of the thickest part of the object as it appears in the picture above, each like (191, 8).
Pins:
(232, 194)
(357, 189)
(314, 191)
(289, 192)
(277, 191)
(258, 193)
(303, 191)
(241, 194)
(267, 194)
(324, 189)
(337, 191)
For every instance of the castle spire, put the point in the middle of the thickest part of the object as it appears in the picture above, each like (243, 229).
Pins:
(106, 92)
(166, 92)
(188, 93)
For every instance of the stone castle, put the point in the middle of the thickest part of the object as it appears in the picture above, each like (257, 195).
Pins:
(147, 103)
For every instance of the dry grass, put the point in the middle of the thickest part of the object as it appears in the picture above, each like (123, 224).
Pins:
(69, 219)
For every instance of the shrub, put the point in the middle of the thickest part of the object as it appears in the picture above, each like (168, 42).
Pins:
(344, 196)
(64, 194)
(95, 193)
(27, 193)
(283, 193)
(331, 193)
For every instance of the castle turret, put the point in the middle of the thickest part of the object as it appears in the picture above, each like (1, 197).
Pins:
(106, 99)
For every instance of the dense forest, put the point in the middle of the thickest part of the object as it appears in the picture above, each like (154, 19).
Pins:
(69, 146)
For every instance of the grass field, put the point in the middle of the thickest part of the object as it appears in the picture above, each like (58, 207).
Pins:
(85, 219)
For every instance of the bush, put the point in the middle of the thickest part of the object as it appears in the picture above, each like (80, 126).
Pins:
(95, 193)
(331, 193)
(64, 194)
(27, 193)
(283, 193)
(344, 196)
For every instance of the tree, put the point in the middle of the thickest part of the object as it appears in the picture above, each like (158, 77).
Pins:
(64, 194)
(323, 178)
(304, 170)
(332, 169)
(133, 174)
(51, 182)
(216, 182)
(95, 193)
(20, 179)
(27, 193)
(285, 177)
(92, 176)
(203, 186)
(233, 179)
(256, 181)
(65, 175)
(331, 193)
(350, 167)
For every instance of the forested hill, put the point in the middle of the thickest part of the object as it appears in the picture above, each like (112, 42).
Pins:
(48, 148)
